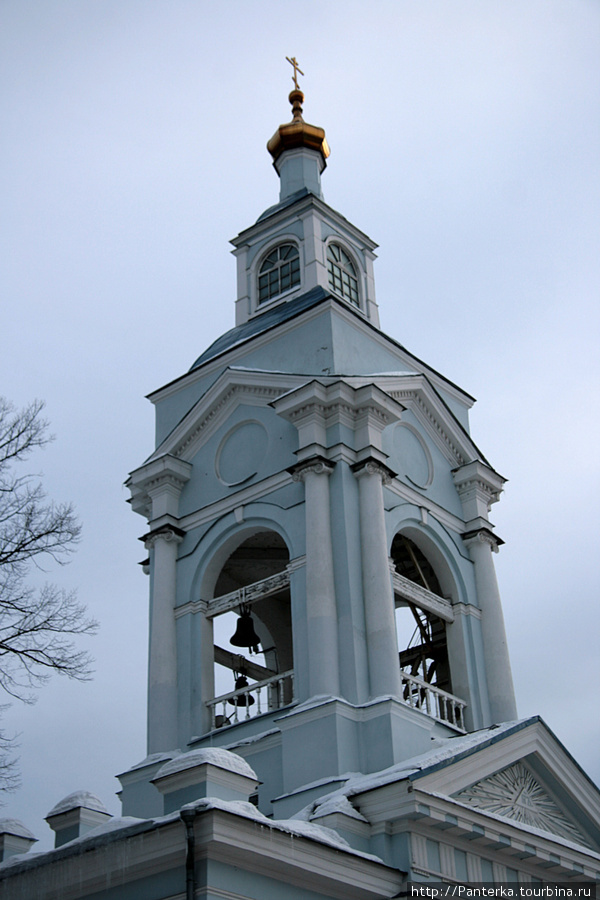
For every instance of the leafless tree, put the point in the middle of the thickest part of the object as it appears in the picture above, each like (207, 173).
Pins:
(37, 625)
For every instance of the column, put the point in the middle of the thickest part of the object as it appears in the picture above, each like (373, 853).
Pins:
(382, 645)
(497, 663)
(162, 658)
(321, 610)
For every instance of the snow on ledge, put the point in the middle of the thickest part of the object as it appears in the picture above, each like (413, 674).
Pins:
(214, 756)
(77, 800)
(16, 828)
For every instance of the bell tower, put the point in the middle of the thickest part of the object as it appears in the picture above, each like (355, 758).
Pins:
(322, 589)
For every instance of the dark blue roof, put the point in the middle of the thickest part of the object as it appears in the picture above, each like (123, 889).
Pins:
(269, 319)
(283, 204)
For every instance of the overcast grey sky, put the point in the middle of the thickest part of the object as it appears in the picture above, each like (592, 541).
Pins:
(465, 138)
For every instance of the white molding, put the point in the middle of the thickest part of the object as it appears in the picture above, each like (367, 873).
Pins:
(298, 563)
(319, 403)
(466, 609)
(478, 486)
(437, 512)
(243, 497)
(193, 607)
(252, 845)
(336, 871)
(251, 593)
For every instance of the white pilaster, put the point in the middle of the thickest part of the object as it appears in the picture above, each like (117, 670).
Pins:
(155, 491)
(321, 611)
(479, 486)
(382, 645)
(499, 676)
(162, 657)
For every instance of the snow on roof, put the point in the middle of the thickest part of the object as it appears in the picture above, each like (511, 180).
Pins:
(292, 826)
(338, 804)
(215, 756)
(113, 824)
(444, 751)
(77, 800)
(16, 828)
(153, 759)
(254, 738)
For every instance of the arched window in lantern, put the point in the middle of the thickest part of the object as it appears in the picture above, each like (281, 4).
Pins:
(342, 273)
(279, 272)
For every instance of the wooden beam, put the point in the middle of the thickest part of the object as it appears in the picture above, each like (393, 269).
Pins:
(236, 661)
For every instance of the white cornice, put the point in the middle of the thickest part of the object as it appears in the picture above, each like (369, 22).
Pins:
(487, 832)
(478, 487)
(421, 597)
(321, 403)
(156, 486)
(250, 843)
(273, 222)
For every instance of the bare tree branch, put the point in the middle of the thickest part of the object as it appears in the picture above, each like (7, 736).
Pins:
(37, 627)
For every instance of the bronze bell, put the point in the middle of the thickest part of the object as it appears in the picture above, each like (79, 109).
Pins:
(245, 699)
(245, 635)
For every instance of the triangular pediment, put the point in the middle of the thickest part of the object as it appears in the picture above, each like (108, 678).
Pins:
(515, 793)
(233, 388)
(258, 387)
(519, 772)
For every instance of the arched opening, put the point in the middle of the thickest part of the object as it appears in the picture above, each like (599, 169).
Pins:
(421, 632)
(251, 609)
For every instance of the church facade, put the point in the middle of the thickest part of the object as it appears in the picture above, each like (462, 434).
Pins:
(330, 702)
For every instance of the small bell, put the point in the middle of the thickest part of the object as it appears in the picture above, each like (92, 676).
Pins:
(244, 699)
(245, 635)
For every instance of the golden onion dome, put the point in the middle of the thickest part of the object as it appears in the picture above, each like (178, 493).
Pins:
(298, 133)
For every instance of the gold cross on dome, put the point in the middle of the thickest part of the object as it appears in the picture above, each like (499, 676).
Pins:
(293, 62)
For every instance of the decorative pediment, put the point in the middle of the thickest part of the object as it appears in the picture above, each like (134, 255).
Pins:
(516, 794)
(232, 388)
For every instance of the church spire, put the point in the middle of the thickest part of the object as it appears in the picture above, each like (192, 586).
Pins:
(299, 150)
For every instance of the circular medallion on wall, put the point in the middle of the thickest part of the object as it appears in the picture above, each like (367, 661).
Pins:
(413, 455)
(241, 452)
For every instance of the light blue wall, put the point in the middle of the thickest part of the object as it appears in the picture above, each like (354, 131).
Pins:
(279, 440)
(442, 490)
